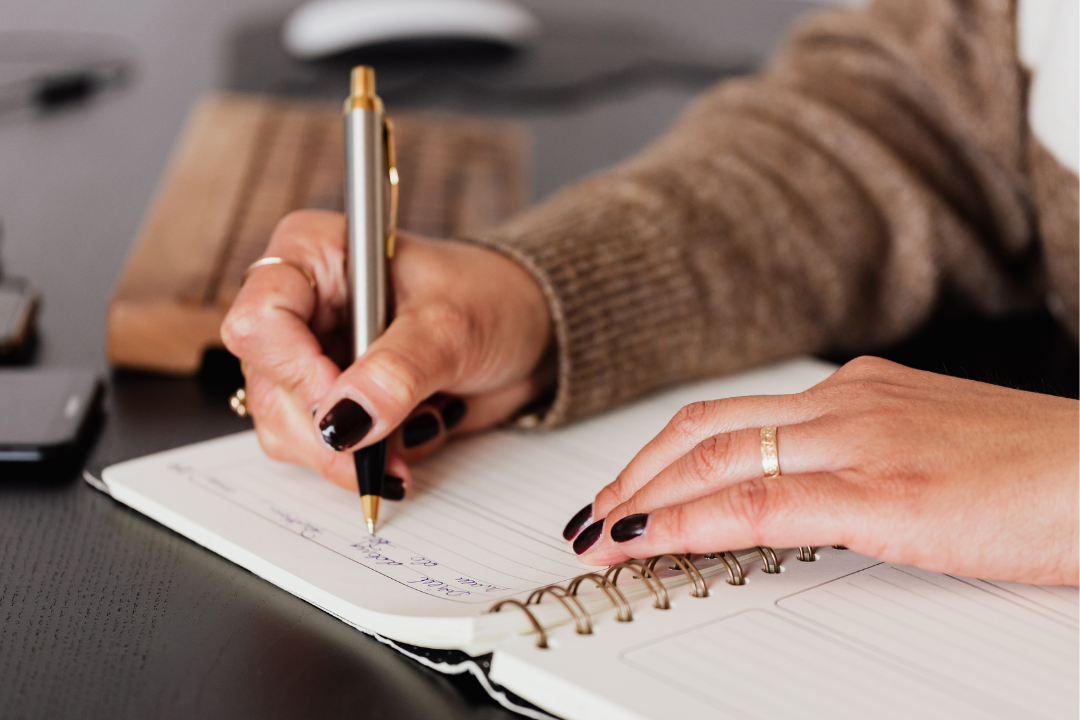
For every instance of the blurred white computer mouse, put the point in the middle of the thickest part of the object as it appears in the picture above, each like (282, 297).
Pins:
(326, 27)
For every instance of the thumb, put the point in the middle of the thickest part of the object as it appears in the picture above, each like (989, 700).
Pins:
(422, 352)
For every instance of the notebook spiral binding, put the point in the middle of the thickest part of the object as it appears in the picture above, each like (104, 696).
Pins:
(646, 570)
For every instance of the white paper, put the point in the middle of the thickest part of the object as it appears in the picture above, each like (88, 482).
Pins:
(482, 523)
(843, 637)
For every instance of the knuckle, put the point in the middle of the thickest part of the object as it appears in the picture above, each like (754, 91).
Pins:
(308, 233)
(751, 503)
(852, 396)
(676, 527)
(688, 420)
(865, 366)
(863, 387)
(818, 395)
(709, 459)
(239, 326)
(449, 325)
(613, 493)
(296, 222)
(398, 375)
(637, 503)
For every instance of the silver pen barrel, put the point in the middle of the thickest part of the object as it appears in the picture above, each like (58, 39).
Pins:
(365, 192)
(367, 174)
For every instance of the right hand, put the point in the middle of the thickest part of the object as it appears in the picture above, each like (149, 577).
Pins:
(469, 325)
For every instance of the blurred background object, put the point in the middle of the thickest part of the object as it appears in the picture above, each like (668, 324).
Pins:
(46, 71)
(321, 28)
(243, 163)
(566, 59)
(18, 308)
(74, 186)
(245, 160)
(18, 305)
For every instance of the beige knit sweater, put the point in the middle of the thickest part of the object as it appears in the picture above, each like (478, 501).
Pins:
(880, 168)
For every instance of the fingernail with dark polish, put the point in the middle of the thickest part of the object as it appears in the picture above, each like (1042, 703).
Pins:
(583, 516)
(588, 537)
(419, 430)
(453, 413)
(393, 488)
(345, 425)
(629, 527)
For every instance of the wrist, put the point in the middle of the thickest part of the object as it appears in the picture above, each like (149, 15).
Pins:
(527, 328)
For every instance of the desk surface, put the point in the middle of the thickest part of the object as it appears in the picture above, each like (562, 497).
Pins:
(102, 612)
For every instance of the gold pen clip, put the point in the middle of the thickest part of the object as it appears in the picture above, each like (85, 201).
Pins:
(392, 173)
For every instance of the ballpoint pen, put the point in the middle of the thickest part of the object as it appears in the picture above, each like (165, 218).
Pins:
(370, 173)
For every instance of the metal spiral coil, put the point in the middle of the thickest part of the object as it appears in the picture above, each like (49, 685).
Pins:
(646, 571)
(769, 562)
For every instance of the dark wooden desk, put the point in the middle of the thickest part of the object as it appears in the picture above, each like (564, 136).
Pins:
(103, 613)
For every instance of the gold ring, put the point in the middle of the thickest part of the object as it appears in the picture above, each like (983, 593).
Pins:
(263, 262)
(770, 457)
(238, 402)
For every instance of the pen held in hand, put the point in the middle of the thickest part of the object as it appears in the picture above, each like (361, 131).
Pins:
(370, 472)
(370, 175)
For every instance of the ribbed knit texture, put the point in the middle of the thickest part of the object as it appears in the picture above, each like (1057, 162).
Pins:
(879, 168)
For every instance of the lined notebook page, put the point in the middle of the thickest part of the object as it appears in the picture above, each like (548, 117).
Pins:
(483, 521)
(450, 551)
(485, 538)
(990, 650)
(844, 637)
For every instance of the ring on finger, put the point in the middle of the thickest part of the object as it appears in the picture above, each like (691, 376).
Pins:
(770, 455)
(238, 402)
(263, 262)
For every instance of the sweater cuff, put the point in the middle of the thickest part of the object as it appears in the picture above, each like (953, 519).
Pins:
(622, 305)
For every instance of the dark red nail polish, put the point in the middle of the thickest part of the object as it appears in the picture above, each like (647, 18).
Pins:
(420, 430)
(629, 527)
(453, 413)
(583, 516)
(588, 537)
(345, 425)
(393, 488)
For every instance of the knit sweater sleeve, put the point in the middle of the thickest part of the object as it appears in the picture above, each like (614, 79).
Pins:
(875, 170)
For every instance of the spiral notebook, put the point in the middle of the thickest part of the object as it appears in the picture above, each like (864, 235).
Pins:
(751, 633)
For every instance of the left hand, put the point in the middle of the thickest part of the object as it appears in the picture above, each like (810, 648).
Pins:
(905, 466)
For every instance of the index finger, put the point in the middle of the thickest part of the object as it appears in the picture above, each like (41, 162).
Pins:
(269, 323)
(812, 509)
(695, 423)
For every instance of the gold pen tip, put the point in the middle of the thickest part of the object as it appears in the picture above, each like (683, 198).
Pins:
(371, 511)
(362, 81)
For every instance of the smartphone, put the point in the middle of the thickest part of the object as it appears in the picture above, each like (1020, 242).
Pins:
(45, 414)
(18, 303)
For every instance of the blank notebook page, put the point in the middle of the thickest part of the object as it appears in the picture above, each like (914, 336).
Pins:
(843, 637)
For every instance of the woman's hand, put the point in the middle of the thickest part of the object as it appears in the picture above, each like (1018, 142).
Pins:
(463, 351)
(901, 465)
